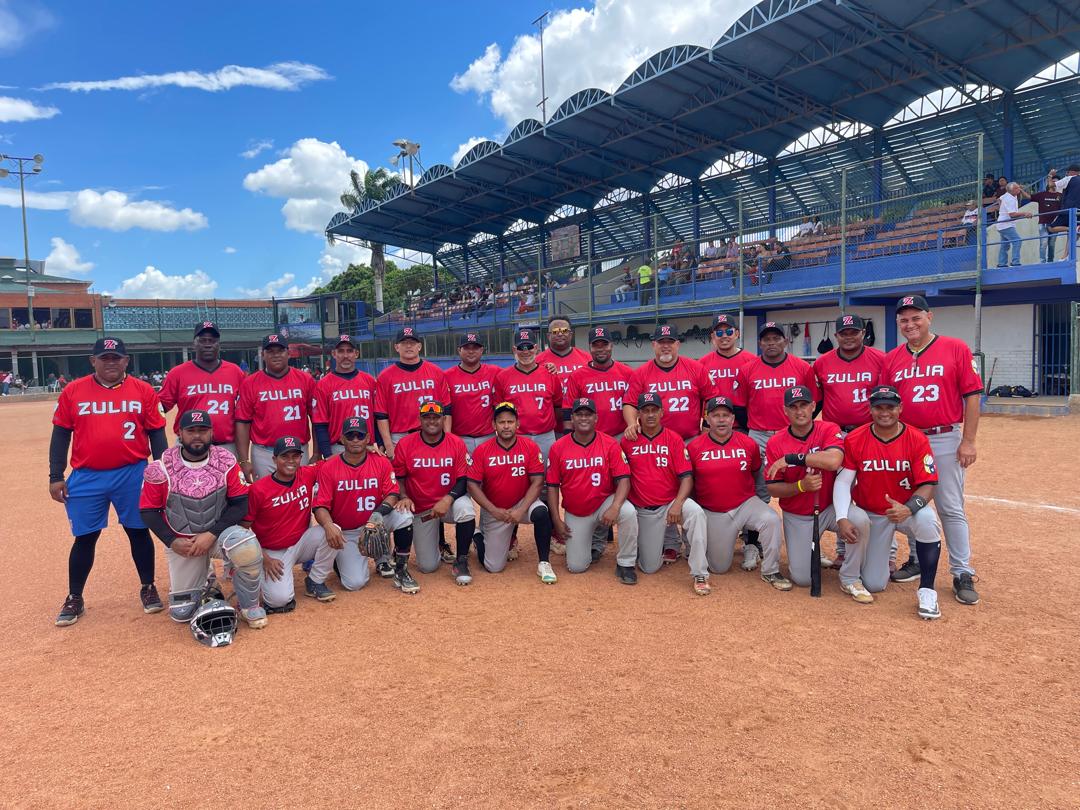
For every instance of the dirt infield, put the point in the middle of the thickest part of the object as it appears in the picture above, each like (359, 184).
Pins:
(585, 694)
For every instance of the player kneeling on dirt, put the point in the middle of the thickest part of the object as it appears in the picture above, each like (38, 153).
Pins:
(193, 500)
(505, 478)
(892, 468)
(279, 512)
(588, 473)
(802, 463)
(432, 463)
(355, 496)
(725, 465)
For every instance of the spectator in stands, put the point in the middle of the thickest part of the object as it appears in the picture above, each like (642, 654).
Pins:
(664, 274)
(970, 221)
(805, 229)
(780, 261)
(1008, 212)
(677, 253)
(1048, 200)
(1002, 187)
(989, 191)
(645, 283)
(711, 251)
(1069, 186)
(623, 289)
(819, 226)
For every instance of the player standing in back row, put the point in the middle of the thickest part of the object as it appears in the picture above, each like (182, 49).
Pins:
(562, 358)
(401, 388)
(604, 380)
(533, 390)
(726, 364)
(205, 383)
(345, 391)
(472, 390)
(940, 387)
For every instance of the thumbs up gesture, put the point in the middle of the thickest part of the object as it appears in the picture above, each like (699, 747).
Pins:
(897, 512)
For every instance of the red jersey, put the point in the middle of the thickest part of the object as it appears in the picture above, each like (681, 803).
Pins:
(351, 493)
(724, 472)
(606, 387)
(472, 393)
(683, 388)
(156, 493)
(844, 383)
(933, 385)
(726, 373)
(763, 392)
(400, 389)
(429, 470)
(586, 473)
(565, 364)
(537, 395)
(190, 387)
(823, 435)
(337, 397)
(279, 513)
(505, 473)
(110, 426)
(657, 465)
(276, 406)
(895, 468)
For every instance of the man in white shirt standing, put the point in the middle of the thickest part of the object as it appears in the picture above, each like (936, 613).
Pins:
(1008, 211)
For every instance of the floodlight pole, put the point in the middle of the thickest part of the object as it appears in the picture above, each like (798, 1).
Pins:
(22, 173)
(539, 21)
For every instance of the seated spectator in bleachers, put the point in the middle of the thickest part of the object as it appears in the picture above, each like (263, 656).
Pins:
(819, 226)
(1069, 186)
(805, 229)
(711, 251)
(663, 275)
(1002, 187)
(970, 221)
(624, 289)
(1048, 200)
(989, 191)
(780, 260)
(1008, 212)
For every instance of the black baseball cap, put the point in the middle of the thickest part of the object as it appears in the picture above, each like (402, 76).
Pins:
(583, 404)
(407, 333)
(665, 331)
(850, 322)
(770, 326)
(797, 393)
(275, 340)
(109, 345)
(287, 444)
(599, 333)
(912, 302)
(524, 337)
(471, 339)
(194, 418)
(354, 424)
(649, 398)
(207, 326)
(505, 407)
(346, 339)
(719, 402)
(884, 394)
(725, 320)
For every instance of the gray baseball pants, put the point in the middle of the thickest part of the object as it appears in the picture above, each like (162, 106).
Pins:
(579, 543)
(923, 526)
(652, 530)
(497, 536)
(188, 575)
(311, 545)
(352, 565)
(722, 528)
(426, 534)
(799, 536)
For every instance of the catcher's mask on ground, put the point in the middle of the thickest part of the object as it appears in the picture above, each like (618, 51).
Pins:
(214, 624)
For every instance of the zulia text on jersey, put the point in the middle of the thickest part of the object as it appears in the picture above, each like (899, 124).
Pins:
(583, 463)
(99, 408)
(529, 388)
(472, 388)
(775, 382)
(210, 388)
(414, 385)
(885, 465)
(273, 396)
(918, 372)
(849, 377)
(613, 387)
(506, 459)
(347, 393)
(300, 493)
(650, 449)
(670, 385)
(722, 454)
(357, 484)
(432, 463)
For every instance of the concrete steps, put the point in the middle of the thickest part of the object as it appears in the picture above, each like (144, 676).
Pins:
(1035, 406)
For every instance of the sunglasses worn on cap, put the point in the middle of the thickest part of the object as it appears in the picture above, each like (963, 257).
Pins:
(725, 332)
(431, 407)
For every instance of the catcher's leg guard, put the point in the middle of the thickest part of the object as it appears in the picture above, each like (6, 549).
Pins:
(241, 548)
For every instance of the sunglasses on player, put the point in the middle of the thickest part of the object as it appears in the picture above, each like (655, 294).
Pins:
(725, 332)
(431, 407)
(559, 330)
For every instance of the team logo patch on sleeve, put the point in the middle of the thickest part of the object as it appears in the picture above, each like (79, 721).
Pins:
(928, 464)
(974, 365)
(468, 459)
(624, 458)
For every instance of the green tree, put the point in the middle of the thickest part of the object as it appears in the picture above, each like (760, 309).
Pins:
(359, 282)
(374, 185)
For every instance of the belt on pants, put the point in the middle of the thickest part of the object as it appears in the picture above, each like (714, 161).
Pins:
(934, 431)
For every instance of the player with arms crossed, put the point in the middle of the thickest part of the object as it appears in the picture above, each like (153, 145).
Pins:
(588, 474)
(432, 464)
(802, 462)
(344, 391)
(535, 392)
(401, 388)
(274, 402)
(661, 481)
(725, 364)
(193, 499)
(112, 422)
(205, 383)
(725, 465)
(357, 490)
(893, 471)
(940, 386)
(472, 390)
(279, 513)
(505, 479)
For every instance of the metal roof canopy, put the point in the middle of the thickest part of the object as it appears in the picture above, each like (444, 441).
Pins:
(784, 68)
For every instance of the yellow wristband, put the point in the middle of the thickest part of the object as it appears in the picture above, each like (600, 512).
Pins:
(798, 485)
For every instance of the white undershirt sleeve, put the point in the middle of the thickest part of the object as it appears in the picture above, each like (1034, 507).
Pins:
(841, 493)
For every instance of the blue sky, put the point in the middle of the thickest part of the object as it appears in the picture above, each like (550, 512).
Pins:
(146, 188)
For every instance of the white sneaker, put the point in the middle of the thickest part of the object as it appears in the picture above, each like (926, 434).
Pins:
(826, 562)
(546, 573)
(255, 617)
(857, 591)
(750, 557)
(928, 606)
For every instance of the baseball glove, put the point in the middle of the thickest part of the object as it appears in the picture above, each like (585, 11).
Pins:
(374, 541)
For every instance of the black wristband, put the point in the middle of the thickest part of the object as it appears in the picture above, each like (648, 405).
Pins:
(384, 509)
(915, 503)
(54, 478)
(795, 459)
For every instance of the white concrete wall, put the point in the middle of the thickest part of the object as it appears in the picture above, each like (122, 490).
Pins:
(822, 319)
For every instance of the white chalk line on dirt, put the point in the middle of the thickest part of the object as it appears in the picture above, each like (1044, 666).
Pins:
(1068, 510)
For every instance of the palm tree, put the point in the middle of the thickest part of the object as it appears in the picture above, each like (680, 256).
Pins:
(374, 185)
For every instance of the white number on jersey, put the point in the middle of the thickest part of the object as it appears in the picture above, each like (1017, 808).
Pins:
(681, 404)
(517, 472)
(217, 406)
(365, 503)
(444, 479)
(925, 393)
(539, 403)
(595, 479)
(858, 395)
(129, 430)
(292, 413)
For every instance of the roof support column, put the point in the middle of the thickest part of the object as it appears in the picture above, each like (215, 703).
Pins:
(646, 214)
(1008, 111)
(502, 259)
(770, 178)
(879, 188)
(695, 212)
(465, 254)
(434, 272)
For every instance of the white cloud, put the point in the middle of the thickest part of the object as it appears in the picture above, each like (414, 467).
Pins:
(152, 283)
(335, 259)
(230, 249)
(595, 47)
(64, 259)
(113, 210)
(19, 109)
(279, 76)
(255, 148)
(464, 148)
(311, 178)
(15, 28)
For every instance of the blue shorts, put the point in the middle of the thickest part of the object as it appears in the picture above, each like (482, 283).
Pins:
(91, 491)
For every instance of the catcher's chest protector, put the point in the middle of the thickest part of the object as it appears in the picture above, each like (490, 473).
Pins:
(197, 495)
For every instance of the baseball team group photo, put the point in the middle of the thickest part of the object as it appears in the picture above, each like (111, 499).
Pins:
(687, 422)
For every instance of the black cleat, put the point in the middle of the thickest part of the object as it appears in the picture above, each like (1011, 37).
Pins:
(288, 607)
(626, 574)
(71, 611)
(964, 589)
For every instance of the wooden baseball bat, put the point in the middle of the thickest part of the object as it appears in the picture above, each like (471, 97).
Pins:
(990, 379)
(815, 550)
